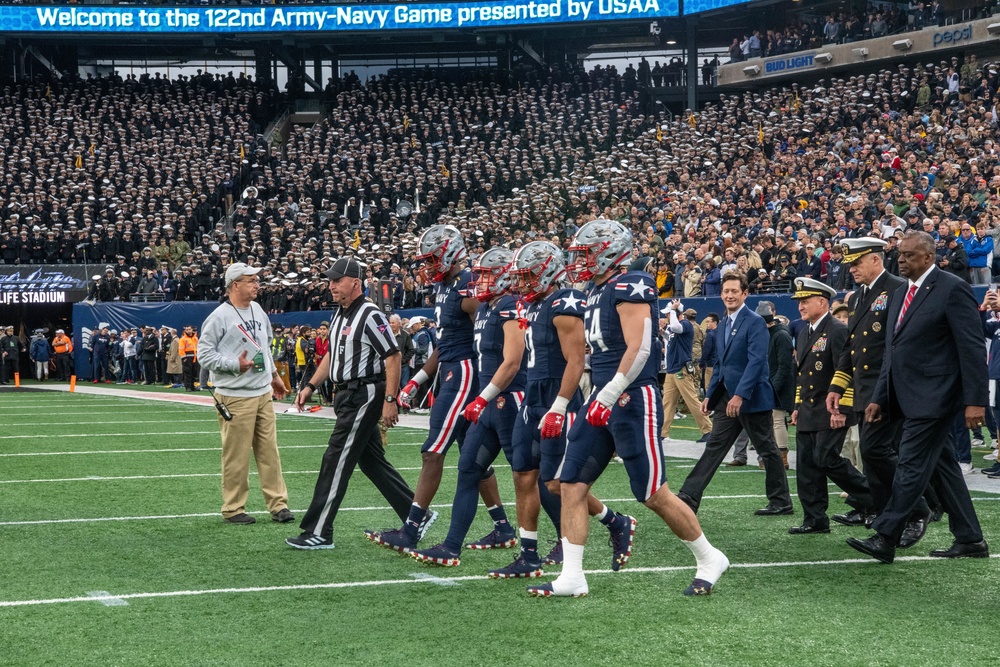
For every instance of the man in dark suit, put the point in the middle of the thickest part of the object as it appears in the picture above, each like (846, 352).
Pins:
(819, 436)
(741, 397)
(858, 369)
(934, 331)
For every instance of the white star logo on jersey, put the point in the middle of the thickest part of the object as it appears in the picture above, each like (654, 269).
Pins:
(571, 302)
(638, 289)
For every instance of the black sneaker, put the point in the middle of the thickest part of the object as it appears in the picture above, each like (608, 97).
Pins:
(241, 519)
(283, 516)
(309, 542)
(992, 470)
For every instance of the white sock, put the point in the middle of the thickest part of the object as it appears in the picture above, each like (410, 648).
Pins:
(572, 559)
(712, 563)
(528, 534)
(603, 513)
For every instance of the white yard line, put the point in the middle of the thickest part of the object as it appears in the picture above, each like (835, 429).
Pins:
(432, 581)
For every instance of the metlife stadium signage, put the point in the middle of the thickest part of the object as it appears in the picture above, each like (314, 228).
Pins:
(325, 18)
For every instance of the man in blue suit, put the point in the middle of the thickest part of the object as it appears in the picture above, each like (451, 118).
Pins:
(741, 397)
(934, 367)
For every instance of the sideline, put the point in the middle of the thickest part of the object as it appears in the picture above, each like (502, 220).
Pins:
(434, 581)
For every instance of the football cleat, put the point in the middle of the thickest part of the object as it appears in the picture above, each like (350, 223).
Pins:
(439, 554)
(519, 569)
(426, 523)
(621, 542)
(554, 589)
(495, 540)
(392, 539)
(699, 587)
(555, 556)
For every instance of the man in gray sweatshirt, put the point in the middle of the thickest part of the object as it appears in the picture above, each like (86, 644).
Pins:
(235, 347)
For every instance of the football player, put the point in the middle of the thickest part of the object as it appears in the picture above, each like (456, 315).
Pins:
(499, 343)
(442, 251)
(555, 344)
(624, 413)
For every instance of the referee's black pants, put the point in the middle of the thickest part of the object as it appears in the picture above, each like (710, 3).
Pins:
(355, 441)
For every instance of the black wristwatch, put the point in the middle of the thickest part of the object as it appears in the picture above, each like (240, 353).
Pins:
(311, 386)
(389, 398)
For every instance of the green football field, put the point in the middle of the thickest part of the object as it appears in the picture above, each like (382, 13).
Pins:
(114, 553)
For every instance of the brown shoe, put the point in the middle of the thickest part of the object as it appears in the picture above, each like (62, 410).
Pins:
(760, 463)
(784, 457)
(736, 463)
(241, 519)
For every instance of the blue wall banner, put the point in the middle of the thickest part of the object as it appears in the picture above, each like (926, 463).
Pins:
(303, 19)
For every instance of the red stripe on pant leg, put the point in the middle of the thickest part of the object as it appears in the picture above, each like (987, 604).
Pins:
(454, 410)
(654, 482)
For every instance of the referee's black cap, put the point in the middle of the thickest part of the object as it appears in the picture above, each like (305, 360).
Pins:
(345, 267)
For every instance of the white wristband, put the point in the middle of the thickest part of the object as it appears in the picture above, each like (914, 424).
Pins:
(491, 392)
(421, 377)
(559, 405)
(612, 390)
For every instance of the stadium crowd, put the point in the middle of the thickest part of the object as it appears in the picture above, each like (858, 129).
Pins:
(135, 176)
(878, 19)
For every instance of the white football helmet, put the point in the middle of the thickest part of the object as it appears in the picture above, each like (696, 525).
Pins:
(491, 273)
(537, 266)
(598, 247)
(441, 248)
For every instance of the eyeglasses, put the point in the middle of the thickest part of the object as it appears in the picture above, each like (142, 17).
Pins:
(252, 281)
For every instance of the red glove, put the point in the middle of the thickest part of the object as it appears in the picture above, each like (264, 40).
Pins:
(552, 425)
(474, 409)
(404, 396)
(598, 415)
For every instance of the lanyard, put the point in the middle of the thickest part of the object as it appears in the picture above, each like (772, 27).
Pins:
(247, 329)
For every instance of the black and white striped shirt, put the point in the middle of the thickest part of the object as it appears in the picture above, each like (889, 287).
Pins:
(360, 340)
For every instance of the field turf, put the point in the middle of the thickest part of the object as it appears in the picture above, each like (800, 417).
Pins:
(114, 553)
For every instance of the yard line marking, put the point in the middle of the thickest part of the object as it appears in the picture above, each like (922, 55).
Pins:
(107, 478)
(374, 508)
(107, 599)
(123, 435)
(118, 421)
(421, 580)
(431, 579)
(146, 451)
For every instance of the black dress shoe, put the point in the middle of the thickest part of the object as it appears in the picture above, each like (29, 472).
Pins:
(703, 438)
(964, 550)
(688, 500)
(852, 518)
(775, 510)
(808, 530)
(913, 532)
(936, 514)
(876, 546)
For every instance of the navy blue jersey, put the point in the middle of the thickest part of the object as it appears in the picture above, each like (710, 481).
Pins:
(679, 346)
(489, 339)
(454, 325)
(604, 326)
(544, 352)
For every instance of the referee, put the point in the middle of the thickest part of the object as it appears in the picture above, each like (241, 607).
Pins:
(362, 363)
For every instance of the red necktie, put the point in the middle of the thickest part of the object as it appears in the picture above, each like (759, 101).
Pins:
(906, 304)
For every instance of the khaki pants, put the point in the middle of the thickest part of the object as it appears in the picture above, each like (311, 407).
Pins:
(675, 388)
(253, 427)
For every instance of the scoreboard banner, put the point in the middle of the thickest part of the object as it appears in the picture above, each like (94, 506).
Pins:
(304, 19)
